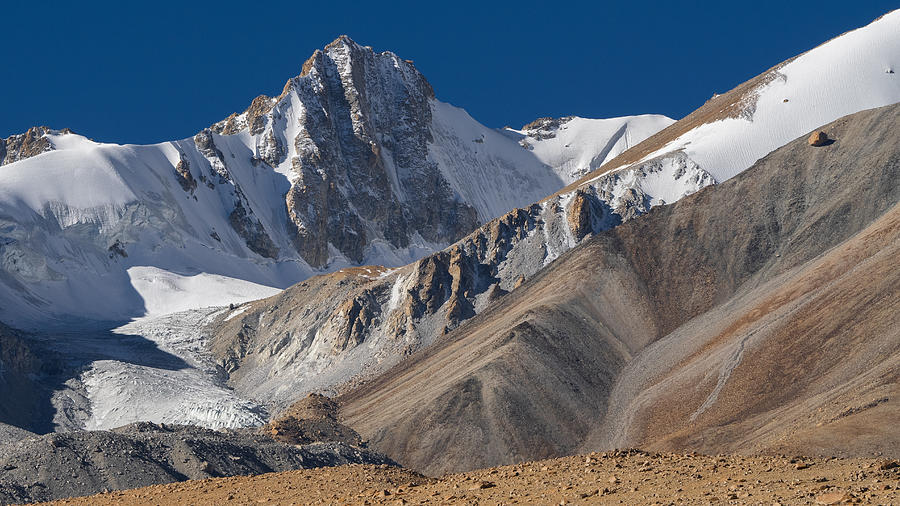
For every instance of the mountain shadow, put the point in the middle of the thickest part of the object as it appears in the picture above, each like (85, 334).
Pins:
(39, 390)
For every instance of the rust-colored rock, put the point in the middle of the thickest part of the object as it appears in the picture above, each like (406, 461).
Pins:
(309, 420)
(184, 177)
(580, 215)
(21, 146)
(819, 138)
(352, 320)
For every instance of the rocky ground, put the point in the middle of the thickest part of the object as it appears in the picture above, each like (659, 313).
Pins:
(11, 433)
(620, 477)
(87, 462)
(313, 418)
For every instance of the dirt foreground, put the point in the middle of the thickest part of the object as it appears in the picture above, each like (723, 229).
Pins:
(620, 477)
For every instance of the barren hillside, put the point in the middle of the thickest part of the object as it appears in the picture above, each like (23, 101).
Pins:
(756, 315)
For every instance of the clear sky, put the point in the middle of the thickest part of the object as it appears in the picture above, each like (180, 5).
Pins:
(141, 72)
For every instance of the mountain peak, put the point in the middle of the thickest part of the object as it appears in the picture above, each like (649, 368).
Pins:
(342, 40)
(344, 64)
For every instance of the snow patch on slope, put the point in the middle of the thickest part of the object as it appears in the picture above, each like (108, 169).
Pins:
(576, 146)
(488, 171)
(843, 76)
(66, 178)
(167, 292)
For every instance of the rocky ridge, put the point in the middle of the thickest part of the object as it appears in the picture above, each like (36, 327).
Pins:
(31, 143)
(358, 114)
(372, 318)
(355, 162)
(357, 322)
(733, 130)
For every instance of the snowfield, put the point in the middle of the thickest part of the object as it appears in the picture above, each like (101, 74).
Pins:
(122, 391)
(113, 254)
(572, 148)
(166, 292)
(857, 71)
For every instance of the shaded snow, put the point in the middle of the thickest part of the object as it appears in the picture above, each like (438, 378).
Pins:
(487, 169)
(84, 178)
(190, 391)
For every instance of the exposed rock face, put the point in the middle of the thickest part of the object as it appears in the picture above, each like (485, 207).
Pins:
(351, 321)
(360, 111)
(20, 369)
(251, 230)
(241, 218)
(183, 174)
(354, 162)
(310, 420)
(545, 128)
(21, 146)
(207, 147)
(583, 211)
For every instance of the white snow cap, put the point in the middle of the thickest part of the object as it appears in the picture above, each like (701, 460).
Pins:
(843, 76)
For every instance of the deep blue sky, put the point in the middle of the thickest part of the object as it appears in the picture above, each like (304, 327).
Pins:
(160, 71)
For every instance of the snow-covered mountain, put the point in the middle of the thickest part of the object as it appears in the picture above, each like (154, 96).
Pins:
(856, 71)
(569, 144)
(356, 324)
(355, 162)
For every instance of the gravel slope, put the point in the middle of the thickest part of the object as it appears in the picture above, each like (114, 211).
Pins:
(627, 477)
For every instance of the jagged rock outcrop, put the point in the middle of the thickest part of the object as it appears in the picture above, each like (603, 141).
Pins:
(206, 145)
(584, 211)
(33, 142)
(184, 177)
(545, 128)
(351, 321)
(360, 155)
(21, 146)
(251, 230)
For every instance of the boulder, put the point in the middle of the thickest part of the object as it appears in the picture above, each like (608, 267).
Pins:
(819, 138)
